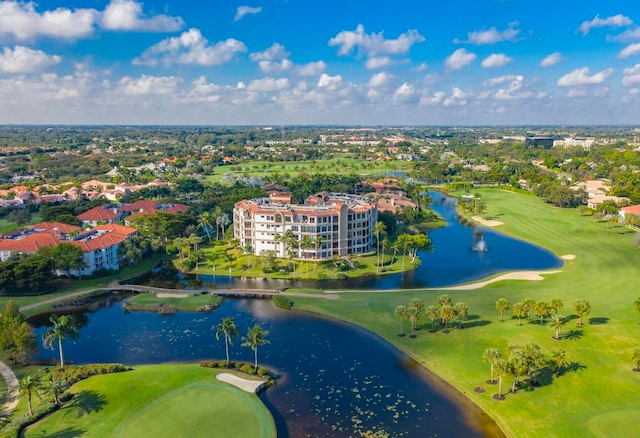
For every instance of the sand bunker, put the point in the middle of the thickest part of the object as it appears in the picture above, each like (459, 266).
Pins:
(486, 222)
(520, 275)
(171, 295)
(239, 382)
(568, 257)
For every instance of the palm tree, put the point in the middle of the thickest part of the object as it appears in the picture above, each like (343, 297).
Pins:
(64, 326)
(556, 304)
(418, 304)
(542, 309)
(461, 310)
(519, 311)
(226, 328)
(204, 222)
(528, 305)
(378, 231)
(560, 360)
(30, 385)
(502, 305)
(318, 241)
(491, 356)
(447, 314)
(56, 386)
(255, 338)
(401, 313)
(502, 367)
(433, 313)
(581, 308)
(412, 312)
(306, 244)
(636, 358)
(248, 250)
(556, 324)
(636, 304)
(222, 221)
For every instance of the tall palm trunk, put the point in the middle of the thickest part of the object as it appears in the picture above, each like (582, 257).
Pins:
(256, 358)
(60, 350)
(226, 348)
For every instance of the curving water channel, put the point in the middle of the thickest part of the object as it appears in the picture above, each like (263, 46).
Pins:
(336, 378)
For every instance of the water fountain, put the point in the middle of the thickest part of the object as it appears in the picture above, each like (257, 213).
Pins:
(478, 241)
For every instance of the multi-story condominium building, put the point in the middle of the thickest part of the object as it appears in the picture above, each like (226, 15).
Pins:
(338, 224)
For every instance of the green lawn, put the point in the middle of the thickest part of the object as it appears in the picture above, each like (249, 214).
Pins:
(150, 302)
(342, 164)
(599, 397)
(6, 226)
(158, 401)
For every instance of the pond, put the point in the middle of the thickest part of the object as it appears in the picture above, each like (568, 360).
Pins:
(336, 379)
(454, 261)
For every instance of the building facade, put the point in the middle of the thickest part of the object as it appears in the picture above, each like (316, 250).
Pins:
(336, 224)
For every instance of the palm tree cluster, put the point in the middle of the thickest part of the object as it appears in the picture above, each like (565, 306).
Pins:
(64, 326)
(521, 362)
(256, 336)
(445, 311)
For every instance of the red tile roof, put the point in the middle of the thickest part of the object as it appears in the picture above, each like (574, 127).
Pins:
(632, 209)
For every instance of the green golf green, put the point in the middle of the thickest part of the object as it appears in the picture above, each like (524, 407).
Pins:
(175, 400)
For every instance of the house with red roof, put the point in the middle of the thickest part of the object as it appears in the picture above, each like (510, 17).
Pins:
(114, 213)
(100, 245)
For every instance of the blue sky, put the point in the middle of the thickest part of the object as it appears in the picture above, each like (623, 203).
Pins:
(455, 62)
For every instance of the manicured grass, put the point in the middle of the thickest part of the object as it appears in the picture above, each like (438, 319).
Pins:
(159, 401)
(6, 226)
(252, 266)
(342, 164)
(150, 302)
(594, 400)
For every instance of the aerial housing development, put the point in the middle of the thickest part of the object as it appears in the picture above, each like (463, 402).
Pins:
(343, 223)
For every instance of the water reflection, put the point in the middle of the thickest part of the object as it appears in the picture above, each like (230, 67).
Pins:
(337, 379)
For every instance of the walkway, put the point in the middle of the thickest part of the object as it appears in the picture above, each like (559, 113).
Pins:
(13, 389)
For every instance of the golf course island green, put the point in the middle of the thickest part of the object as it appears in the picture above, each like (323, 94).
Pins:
(158, 401)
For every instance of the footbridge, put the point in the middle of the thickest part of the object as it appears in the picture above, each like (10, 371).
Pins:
(229, 293)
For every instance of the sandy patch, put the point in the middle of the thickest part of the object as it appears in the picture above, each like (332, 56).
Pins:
(486, 222)
(519, 275)
(568, 257)
(13, 389)
(171, 295)
(239, 382)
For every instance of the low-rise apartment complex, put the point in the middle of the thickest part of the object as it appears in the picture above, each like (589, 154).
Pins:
(338, 224)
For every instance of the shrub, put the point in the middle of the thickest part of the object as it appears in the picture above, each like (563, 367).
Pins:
(247, 368)
(341, 276)
(263, 372)
(223, 364)
(282, 302)
(208, 364)
(72, 374)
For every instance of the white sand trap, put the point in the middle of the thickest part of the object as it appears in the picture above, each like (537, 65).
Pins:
(239, 382)
(520, 275)
(327, 296)
(568, 257)
(486, 222)
(170, 295)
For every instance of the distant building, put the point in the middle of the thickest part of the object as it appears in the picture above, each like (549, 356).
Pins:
(545, 142)
(344, 222)
(113, 213)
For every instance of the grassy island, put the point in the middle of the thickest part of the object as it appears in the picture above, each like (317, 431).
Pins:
(594, 396)
(158, 400)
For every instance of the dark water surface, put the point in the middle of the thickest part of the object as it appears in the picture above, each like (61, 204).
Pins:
(336, 378)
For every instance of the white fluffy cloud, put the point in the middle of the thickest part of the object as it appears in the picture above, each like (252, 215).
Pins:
(246, 10)
(274, 52)
(190, 48)
(631, 75)
(496, 60)
(630, 50)
(311, 68)
(266, 85)
(21, 21)
(405, 93)
(502, 79)
(378, 62)
(329, 82)
(374, 44)
(457, 97)
(380, 79)
(490, 36)
(613, 21)
(145, 85)
(25, 60)
(127, 15)
(580, 77)
(459, 59)
(551, 60)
